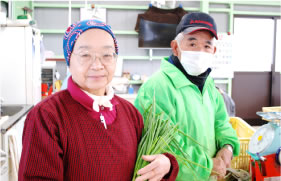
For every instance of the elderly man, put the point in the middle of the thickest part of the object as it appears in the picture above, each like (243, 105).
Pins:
(86, 132)
(187, 95)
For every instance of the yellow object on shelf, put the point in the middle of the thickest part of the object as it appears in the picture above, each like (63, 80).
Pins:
(244, 132)
(58, 84)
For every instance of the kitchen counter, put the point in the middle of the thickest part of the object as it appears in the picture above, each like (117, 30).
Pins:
(15, 113)
(129, 97)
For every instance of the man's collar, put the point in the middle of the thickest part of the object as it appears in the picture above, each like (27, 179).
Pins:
(176, 76)
(173, 68)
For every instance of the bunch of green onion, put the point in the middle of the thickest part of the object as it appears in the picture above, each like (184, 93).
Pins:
(158, 136)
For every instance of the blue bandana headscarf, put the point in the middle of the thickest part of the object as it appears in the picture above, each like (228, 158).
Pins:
(75, 30)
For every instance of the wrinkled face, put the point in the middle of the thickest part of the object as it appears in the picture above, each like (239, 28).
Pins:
(93, 61)
(201, 40)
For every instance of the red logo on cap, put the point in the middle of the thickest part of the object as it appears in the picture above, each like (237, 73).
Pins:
(200, 21)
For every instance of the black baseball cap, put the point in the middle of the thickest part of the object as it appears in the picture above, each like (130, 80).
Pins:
(192, 22)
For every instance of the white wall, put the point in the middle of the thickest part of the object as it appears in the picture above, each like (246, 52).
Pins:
(253, 44)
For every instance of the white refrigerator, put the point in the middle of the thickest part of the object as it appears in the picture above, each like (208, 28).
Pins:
(20, 65)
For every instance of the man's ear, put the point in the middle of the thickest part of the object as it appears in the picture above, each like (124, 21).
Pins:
(174, 46)
(215, 50)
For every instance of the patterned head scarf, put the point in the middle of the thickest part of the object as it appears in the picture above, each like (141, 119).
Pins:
(75, 30)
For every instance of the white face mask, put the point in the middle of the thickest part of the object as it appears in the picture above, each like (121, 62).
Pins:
(195, 63)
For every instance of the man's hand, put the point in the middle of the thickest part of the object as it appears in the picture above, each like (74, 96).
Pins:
(160, 165)
(218, 168)
(226, 156)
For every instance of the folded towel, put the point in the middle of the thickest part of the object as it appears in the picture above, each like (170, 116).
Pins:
(14, 155)
(3, 162)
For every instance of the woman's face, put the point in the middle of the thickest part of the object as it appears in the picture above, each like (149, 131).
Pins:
(93, 61)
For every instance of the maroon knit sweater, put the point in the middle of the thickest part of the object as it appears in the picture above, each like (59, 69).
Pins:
(62, 140)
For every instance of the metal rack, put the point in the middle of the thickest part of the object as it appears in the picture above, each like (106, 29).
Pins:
(207, 6)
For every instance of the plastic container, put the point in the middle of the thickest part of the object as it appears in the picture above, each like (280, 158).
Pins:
(131, 90)
(244, 132)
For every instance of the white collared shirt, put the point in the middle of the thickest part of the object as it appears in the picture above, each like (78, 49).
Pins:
(102, 100)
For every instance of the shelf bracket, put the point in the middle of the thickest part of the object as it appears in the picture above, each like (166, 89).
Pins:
(150, 54)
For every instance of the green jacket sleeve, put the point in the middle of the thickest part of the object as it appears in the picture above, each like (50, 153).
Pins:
(165, 104)
(225, 134)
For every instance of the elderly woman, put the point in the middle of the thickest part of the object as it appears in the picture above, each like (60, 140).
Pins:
(87, 132)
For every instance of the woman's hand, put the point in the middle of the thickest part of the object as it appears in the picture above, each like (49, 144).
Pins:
(160, 165)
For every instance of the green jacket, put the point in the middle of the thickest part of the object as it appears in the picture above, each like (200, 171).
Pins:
(202, 116)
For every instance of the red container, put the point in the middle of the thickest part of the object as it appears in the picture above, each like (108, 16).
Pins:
(265, 169)
(44, 89)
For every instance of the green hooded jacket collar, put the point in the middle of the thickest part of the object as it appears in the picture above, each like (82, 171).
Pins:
(177, 77)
